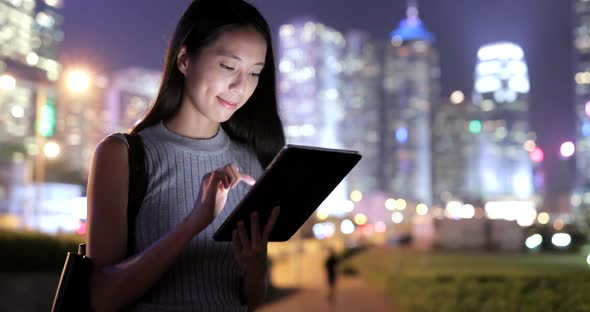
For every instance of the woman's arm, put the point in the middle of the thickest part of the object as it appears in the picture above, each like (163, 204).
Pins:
(116, 282)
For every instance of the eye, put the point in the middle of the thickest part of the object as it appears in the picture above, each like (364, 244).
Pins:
(255, 75)
(226, 67)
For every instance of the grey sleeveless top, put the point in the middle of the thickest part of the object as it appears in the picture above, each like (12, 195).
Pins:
(205, 277)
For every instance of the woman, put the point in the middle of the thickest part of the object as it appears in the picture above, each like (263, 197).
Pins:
(214, 125)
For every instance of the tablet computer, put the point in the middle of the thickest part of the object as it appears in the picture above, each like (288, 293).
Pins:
(298, 180)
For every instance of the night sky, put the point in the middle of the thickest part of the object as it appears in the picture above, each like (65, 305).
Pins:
(113, 34)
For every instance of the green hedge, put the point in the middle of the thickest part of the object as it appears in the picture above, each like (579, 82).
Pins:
(478, 282)
(491, 293)
(35, 252)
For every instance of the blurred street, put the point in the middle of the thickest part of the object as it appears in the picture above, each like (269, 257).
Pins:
(302, 279)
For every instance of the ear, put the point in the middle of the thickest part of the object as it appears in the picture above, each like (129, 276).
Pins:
(182, 60)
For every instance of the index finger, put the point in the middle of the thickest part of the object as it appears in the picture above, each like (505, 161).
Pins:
(270, 223)
(246, 178)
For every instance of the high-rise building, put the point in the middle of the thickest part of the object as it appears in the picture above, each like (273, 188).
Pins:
(110, 105)
(582, 101)
(411, 86)
(309, 82)
(30, 34)
(361, 94)
(310, 90)
(129, 96)
(503, 165)
(81, 119)
(452, 147)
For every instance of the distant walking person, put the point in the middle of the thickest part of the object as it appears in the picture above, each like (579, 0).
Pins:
(331, 265)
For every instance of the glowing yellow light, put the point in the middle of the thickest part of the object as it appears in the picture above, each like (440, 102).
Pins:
(543, 218)
(479, 213)
(78, 81)
(51, 149)
(356, 196)
(421, 209)
(401, 204)
(321, 215)
(529, 145)
(7, 82)
(360, 219)
(558, 224)
(588, 259)
(390, 204)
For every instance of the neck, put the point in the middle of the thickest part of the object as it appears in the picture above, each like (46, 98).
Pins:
(192, 124)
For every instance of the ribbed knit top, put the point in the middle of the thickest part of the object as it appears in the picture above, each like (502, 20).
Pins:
(205, 277)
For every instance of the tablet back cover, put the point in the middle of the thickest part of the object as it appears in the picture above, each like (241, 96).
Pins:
(298, 180)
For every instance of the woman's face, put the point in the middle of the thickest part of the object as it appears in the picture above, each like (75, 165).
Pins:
(222, 77)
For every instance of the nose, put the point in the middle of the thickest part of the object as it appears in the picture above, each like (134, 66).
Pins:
(238, 84)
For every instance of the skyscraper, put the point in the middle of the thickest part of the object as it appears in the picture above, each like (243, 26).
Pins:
(129, 96)
(501, 89)
(30, 34)
(411, 86)
(452, 147)
(582, 100)
(361, 94)
(309, 82)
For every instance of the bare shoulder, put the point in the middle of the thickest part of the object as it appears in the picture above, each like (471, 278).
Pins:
(108, 184)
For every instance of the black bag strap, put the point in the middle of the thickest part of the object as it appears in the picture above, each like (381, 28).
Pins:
(137, 185)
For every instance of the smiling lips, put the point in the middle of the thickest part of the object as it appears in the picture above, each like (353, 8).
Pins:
(227, 104)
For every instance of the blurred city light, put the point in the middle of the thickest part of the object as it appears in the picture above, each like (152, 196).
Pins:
(561, 239)
(346, 227)
(543, 218)
(526, 218)
(521, 211)
(397, 217)
(457, 97)
(390, 204)
(7, 82)
(356, 196)
(529, 145)
(17, 111)
(475, 126)
(401, 135)
(534, 241)
(380, 227)
(51, 149)
(479, 213)
(505, 51)
(558, 224)
(537, 155)
(360, 219)
(587, 108)
(323, 230)
(421, 209)
(588, 259)
(458, 210)
(401, 204)
(567, 149)
(321, 215)
(78, 81)
(348, 206)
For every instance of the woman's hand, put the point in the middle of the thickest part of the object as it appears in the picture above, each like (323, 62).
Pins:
(250, 253)
(213, 193)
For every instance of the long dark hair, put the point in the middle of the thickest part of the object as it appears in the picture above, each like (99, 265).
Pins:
(257, 123)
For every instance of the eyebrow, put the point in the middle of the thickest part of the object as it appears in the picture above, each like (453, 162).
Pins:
(228, 54)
